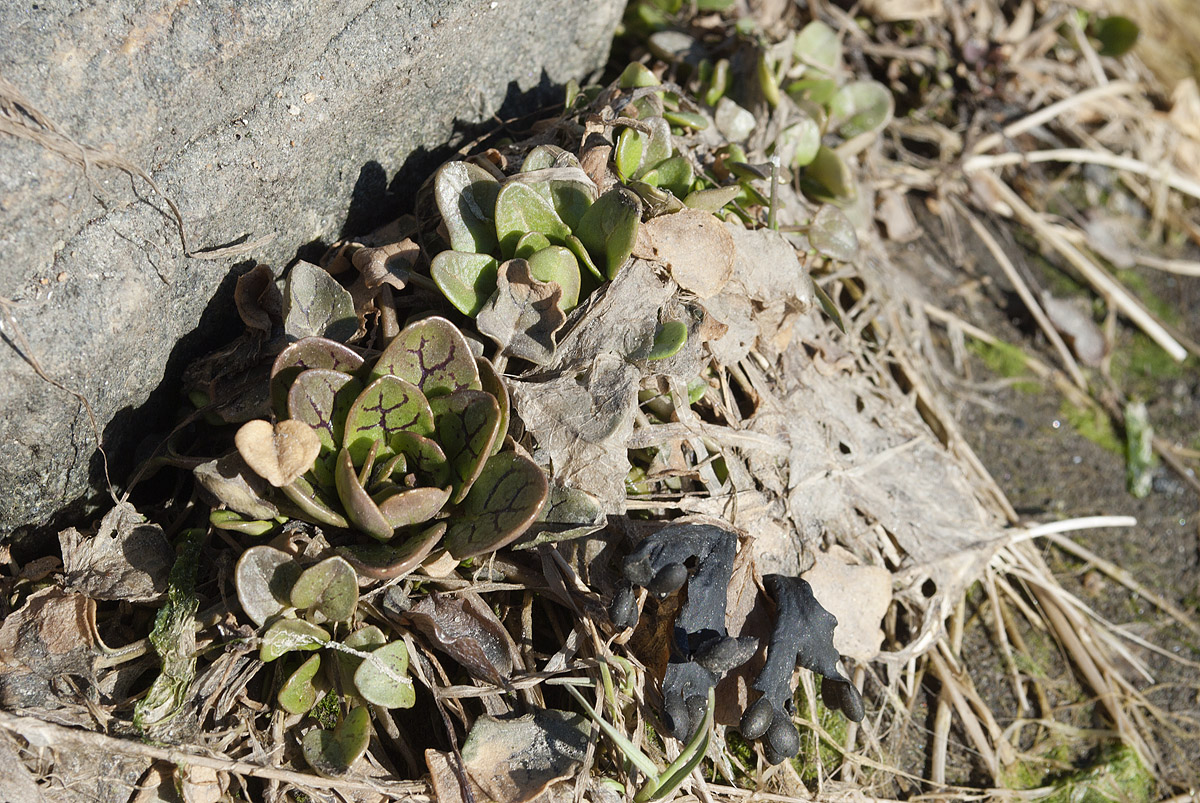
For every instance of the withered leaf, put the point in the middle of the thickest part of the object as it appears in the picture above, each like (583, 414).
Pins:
(127, 558)
(523, 315)
(280, 452)
(258, 300)
(387, 264)
(514, 760)
(695, 247)
(465, 628)
(52, 635)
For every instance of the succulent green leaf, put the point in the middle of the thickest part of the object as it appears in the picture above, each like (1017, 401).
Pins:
(431, 354)
(1117, 35)
(818, 45)
(686, 119)
(828, 179)
(668, 340)
(861, 107)
(233, 521)
(333, 753)
(308, 352)
(313, 502)
(659, 145)
(466, 198)
(388, 561)
(546, 156)
(329, 588)
(422, 456)
(833, 235)
(768, 82)
(468, 422)
(713, 199)
(365, 639)
(320, 398)
(466, 280)
(303, 688)
(408, 506)
(530, 243)
(505, 499)
(382, 679)
(675, 174)
(584, 258)
(636, 76)
(519, 209)
(570, 199)
(360, 507)
(557, 264)
(609, 228)
(493, 384)
(315, 304)
(264, 577)
(719, 83)
(812, 95)
(387, 406)
(802, 139)
(287, 635)
(631, 144)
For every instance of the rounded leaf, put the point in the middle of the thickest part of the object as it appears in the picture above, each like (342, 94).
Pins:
(308, 352)
(279, 453)
(802, 139)
(608, 230)
(287, 635)
(557, 264)
(422, 456)
(313, 504)
(468, 422)
(668, 340)
(465, 194)
(333, 753)
(431, 354)
(329, 588)
(819, 45)
(675, 174)
(861, 107)
(505, 499)
(631, 144)
(388, 561)
(828, 179)
(521, 209)
(386, 407)
(530, 243)
(303, 688)
(264, 577)
(316, 305)
(382, 678)
(408, 506)
(544, 157)
(712, 199)
(833, 235)
(320, 397)
(466, 280)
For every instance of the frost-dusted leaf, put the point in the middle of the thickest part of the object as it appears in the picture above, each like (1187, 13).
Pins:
(631, 144)
(861, 107)
(316, 305)
(329, 588)
(466, 280)
(524, 314)
(517, 759)
(608, 230)
(464, 627)
(320, 398)
(431, 354)
(360, 507)
(303, 688)
(493, 384)
(828, 179)
(423, 456)
(408, 506)
(668, 340)
(675, 174)
(314, 503)
(235, 485)
(309, 352)
(521, 209)
(280, 452)
(468, 423)
(833, 235)
(386, 407)
(288, 635)
(127, 558)
(382, 678)
(505, 499)
(694, 245)
(333, 753)
(819, 45)
(388, 561)
(558, 265)
(264, 577)
(466, 198)
(713, 199)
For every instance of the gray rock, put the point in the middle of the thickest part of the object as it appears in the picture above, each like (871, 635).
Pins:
(258, 118)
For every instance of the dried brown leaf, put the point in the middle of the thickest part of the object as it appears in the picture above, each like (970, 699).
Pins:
(523, 315)
(52, 635)
(515, 760)
(694, 245)
(858, 595)
(258, 300)
(465, 628)
(280, 452)
(127, 558)
(387, 264)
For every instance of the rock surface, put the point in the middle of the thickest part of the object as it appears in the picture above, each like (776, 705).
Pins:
(301, 119)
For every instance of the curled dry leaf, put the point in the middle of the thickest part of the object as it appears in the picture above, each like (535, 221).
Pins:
(523, 315)
(695, 247)
(127, 558)
(515, 760)
(465, 628)
(857, 595)
(279, 452)
(52, 635)
(387, 264)
(259, 302)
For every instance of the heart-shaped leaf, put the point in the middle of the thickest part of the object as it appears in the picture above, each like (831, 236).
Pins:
(431, 354)
(287, 635)
(422, 456)
(264, 577)
(308, 352)
(314, 503)
(315, 304)
(364, 639)
(569, 198)
(860, 107)
(382, 678)
(558, 265)
(668, 340)
(833, 235)
(360, 507)
(466, 198)
(333, 753)
(388, 561)
(609, 228)
(303, 688)
(466, 280)
(521, 209)
(493, 384)
(329, 589)
(320, 398)
(505, 499)
(279, 453)
(408, 506)
(387, 406)
(467, 422)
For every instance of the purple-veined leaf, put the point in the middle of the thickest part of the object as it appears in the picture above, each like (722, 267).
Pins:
(505, 499)
(431, 354)
(423, 457)
(386, 407)
(308, 352)
(468, 422)
(320, 398)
